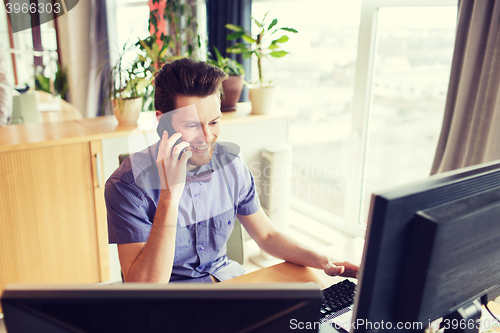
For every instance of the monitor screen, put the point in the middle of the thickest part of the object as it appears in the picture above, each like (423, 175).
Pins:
(387, 250)
(179, 307)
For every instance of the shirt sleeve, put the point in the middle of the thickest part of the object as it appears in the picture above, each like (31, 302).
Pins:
(248, 200)
(129, 220)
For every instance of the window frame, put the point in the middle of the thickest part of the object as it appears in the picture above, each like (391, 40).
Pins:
(367, 43)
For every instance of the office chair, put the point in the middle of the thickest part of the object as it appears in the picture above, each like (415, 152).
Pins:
(235, 241)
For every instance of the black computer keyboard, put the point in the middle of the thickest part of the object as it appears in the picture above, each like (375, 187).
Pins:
(337, 297)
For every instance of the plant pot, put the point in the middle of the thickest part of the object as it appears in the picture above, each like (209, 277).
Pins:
(232, 87)
(262, 98)
(127, 111)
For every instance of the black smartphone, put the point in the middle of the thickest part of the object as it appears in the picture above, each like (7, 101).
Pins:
(166, 125)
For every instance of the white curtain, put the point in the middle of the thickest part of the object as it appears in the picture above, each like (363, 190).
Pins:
(84, 47)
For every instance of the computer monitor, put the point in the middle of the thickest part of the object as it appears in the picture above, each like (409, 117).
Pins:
(181, 307)
(432, 248)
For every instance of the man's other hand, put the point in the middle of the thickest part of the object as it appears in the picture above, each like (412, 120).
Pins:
(341, 268)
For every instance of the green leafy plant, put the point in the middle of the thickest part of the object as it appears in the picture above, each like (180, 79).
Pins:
(173, 35)
(230, 66)
(173, 28)
(126, 80)
(259, 45)
(46, 83)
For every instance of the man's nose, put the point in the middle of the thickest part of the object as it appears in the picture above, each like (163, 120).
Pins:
(206, 134)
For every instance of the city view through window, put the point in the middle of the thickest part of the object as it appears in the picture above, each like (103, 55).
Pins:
(316, 87)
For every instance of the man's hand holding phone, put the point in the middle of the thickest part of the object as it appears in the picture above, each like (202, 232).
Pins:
(172, 167)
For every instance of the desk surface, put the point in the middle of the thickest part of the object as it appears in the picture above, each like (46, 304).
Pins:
(63, 111)
(17, 137)
(287, 272)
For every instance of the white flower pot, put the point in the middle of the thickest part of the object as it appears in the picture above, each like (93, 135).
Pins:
(127, 111)
(262, 98)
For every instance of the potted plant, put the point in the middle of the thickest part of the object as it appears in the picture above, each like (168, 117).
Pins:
(233, 85)
(126, 84)
(173, 35)
(54, 84)
(261, 95)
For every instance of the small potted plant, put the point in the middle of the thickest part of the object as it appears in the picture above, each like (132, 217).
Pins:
(233, 85)
(261, 94)
(126, 84)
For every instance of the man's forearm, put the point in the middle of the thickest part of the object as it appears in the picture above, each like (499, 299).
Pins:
(154, 263)
(283, 247)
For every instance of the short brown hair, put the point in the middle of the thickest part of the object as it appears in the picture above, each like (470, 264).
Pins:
(185, 77)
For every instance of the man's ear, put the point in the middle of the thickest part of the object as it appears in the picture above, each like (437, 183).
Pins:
(158, 115)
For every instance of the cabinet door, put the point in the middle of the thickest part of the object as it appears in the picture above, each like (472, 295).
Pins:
(52, 222)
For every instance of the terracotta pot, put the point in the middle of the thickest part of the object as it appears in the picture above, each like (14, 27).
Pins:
(262, 98)
(232, 87)
(127, 111)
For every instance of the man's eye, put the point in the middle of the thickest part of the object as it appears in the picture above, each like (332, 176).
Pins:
(192, 126)
(214, 123)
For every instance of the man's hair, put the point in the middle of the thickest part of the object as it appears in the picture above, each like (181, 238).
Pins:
(185, 77)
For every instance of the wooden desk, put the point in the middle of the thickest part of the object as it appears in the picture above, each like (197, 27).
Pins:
(63, 112)
(287, 272)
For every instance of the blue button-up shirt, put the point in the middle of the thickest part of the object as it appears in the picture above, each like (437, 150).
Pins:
(206, 214)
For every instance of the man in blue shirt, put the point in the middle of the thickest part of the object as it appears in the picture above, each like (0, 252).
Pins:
(172, 207)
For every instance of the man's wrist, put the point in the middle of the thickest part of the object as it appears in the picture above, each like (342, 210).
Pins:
(167, 209)
(167, 198)
(324, 261)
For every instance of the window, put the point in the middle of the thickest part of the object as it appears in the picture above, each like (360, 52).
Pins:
(128, 20)
(131, 19)
(413, 53)
(5, 43)
(316, 87)
(366, 98)
(23, 50)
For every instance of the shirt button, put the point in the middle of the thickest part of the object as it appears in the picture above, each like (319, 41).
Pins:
(228, 222)
(202, 248)
(196, 195)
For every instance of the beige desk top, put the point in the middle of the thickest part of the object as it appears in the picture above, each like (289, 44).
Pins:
(17, 137)
(287, 272)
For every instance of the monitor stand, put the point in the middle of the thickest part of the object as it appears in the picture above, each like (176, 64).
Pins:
(465, 319)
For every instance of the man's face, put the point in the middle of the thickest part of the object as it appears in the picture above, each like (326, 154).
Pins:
(198, 121)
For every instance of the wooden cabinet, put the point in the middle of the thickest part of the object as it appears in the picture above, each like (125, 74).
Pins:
(52, 214)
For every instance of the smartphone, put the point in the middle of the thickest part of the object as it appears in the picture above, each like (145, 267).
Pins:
(165, 125)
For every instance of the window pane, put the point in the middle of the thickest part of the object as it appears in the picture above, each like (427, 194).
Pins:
(132, 23)
(316, 85)
(5, 45)
(410, 82)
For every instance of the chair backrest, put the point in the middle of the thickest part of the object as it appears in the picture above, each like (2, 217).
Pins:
(122, 157)
(235, 241)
